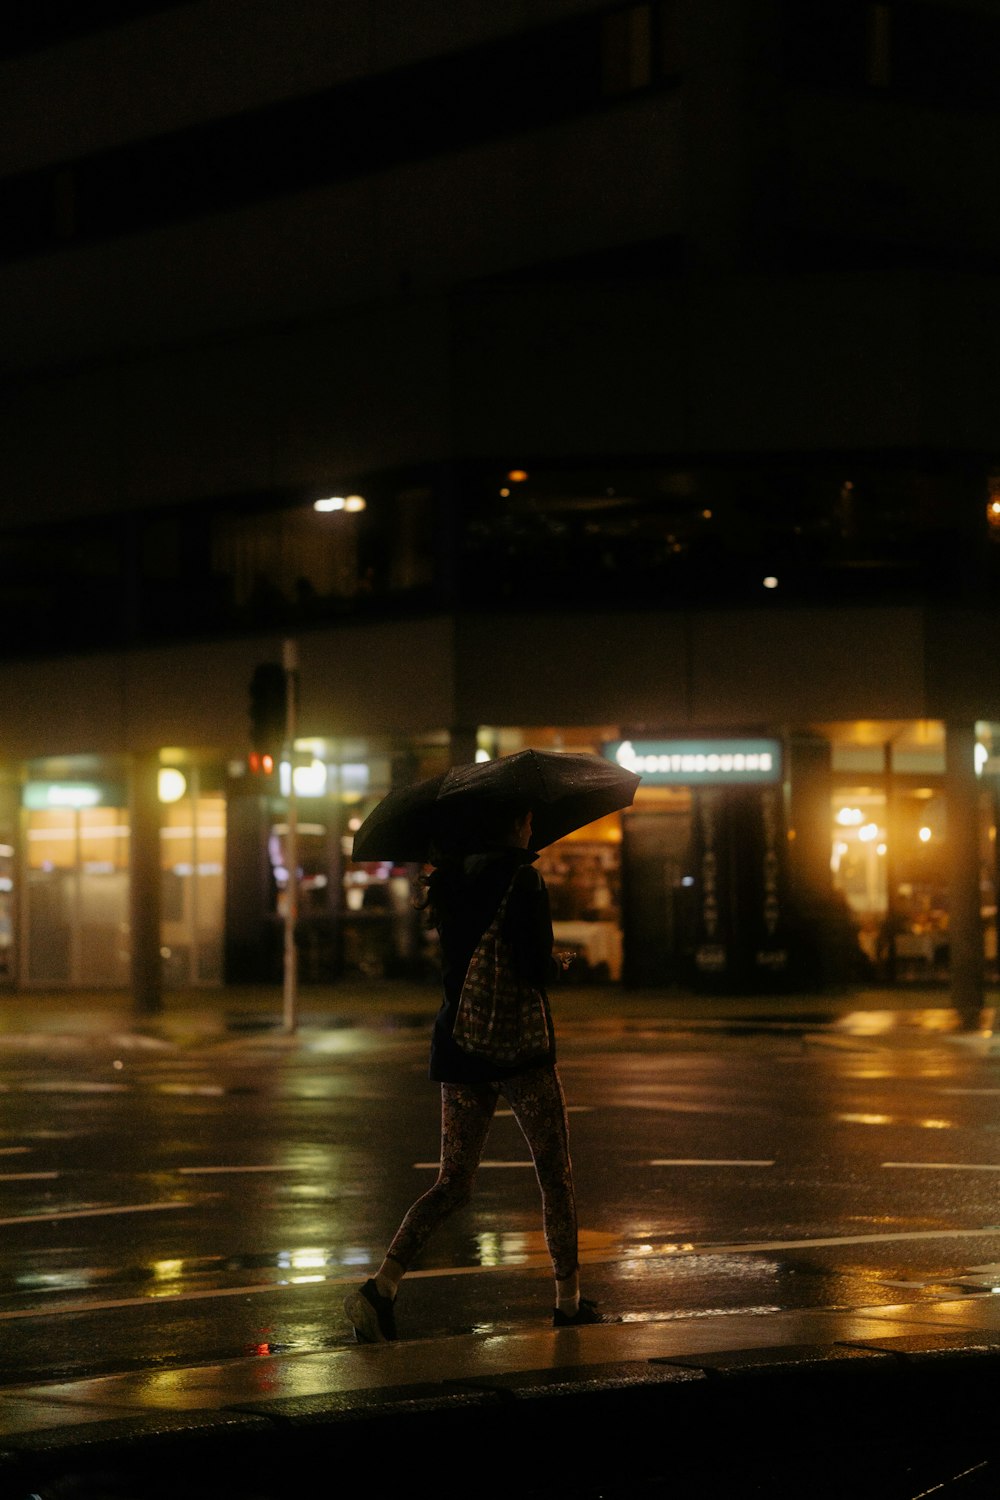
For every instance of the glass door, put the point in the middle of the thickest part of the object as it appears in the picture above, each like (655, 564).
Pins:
(192, 861)
(76, 896)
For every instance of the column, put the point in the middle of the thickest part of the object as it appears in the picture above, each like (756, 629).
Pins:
(462, 744)
(144, 883)
(965, 935)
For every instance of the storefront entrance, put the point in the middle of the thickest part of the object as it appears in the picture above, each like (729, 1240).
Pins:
(657, 916)
(75, 928)
(74, 881)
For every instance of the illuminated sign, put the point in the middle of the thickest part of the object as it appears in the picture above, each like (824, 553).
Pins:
(74, 794)
(690, 762)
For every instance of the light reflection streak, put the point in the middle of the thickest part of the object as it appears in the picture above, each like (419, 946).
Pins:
(932, 1122)
(687, 1314)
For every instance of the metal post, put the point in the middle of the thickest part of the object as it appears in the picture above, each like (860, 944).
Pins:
(290, 661)
(965, 932)
(145, 879)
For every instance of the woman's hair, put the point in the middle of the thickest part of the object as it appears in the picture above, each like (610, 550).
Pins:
(489, 824)
(491, 828)
(434, 891)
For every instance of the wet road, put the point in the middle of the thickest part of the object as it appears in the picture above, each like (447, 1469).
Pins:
(166, 1204)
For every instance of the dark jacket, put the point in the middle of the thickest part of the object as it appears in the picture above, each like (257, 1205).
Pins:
(466, 899)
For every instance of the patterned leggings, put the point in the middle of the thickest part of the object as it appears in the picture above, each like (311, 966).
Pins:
(537, 1102)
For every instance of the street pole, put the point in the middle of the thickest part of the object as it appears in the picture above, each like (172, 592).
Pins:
(290, 661)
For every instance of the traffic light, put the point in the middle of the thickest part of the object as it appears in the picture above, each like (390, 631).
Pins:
(268, 712)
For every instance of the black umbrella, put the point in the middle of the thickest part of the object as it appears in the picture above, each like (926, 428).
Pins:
(460, 809)
(400, 827)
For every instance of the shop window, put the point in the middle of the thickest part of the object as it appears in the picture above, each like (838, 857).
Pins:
(192, 860)
(890, 866)
(858, 859)
(583, 876)
(76, 895)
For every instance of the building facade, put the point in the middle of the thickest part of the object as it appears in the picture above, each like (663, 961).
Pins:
(573, 374)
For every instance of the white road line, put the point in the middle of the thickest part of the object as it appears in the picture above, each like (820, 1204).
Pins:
(571, 1109)
(946, 1166)
(708, 1161)
(90, 1213)
(213, 1091)
(92, 1307)
(26, 1176)
(63, 1087)
(849, 1239)
(278, 1167)
(434, 1166)
(527, 1263)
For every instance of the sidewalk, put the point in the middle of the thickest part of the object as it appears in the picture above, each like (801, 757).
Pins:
(848, 1398)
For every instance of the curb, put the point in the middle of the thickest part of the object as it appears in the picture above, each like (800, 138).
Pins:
(827, 1420)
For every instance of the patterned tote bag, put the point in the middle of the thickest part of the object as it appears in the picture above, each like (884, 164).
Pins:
(500, 1017)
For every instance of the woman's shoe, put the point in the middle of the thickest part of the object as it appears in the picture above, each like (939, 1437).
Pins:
(587, 1313)
(372, 1314)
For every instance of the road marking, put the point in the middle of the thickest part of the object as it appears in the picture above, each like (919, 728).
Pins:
(90, 1213)
(531, 1262)
(14, 1150)
(92, 1307)
(435, 1166)
(210, 1089)
(70, 1088)
(707, 1161)
(849, 1239)
(25, 1176)
(946, 1166)
(571, 1109)
(969, 1091)
(279, 1167)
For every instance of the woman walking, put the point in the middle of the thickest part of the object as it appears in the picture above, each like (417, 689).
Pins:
(464, 894)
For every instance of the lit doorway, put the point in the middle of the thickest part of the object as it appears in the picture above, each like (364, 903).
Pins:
(76, 892)
(193, 865)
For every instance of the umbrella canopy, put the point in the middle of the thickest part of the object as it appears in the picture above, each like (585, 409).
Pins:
(563, 791)
(400, 827)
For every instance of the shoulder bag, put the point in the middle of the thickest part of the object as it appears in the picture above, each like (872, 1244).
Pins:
(500, 1017)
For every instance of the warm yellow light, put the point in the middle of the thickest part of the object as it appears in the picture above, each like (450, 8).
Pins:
(880, 848)
(924, 835)
(868, 832)
(171, 784)
(310, 780)
(517, 476)
(340, 502)
(770, 582)
(849, 817)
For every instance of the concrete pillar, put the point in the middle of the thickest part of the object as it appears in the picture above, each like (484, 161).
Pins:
(463, 744)
(809, 819)
(965, 934)
(144, 883)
